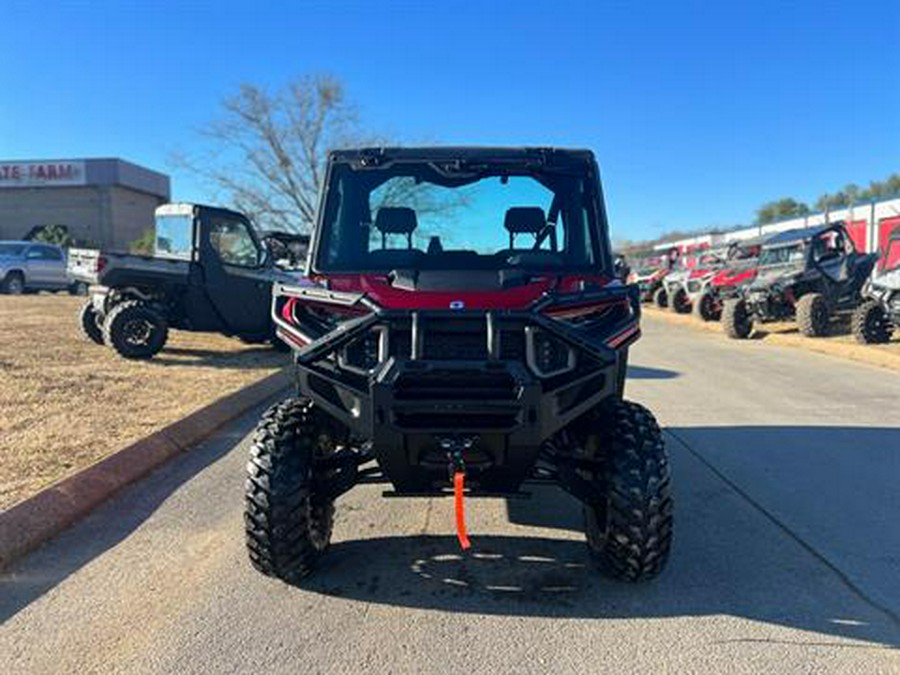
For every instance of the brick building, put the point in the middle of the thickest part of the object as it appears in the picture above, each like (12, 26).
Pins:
(103, 202)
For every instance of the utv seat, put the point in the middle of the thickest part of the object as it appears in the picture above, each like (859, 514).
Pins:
(395, 220)
(527, 220)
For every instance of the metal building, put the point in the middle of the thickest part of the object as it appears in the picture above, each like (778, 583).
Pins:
(103, 202)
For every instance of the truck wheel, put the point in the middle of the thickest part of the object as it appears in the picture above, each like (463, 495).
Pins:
(705, 308)
(135, 330)
(870, 323)
(78, 288)
(736, 320)
(812, 315)
(287, 524)
(661, 298)
(680, 303)
(91, 325)
(13, 284)
(629, 529)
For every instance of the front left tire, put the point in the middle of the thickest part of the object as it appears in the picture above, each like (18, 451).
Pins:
(135, 330)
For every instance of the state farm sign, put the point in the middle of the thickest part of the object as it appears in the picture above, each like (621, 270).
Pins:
(41, 174)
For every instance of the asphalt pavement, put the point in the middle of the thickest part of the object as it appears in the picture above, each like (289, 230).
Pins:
(786, 555)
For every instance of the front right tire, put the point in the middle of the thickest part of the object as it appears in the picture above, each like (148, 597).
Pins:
(679, 302)
(629, 526)
(287, 520)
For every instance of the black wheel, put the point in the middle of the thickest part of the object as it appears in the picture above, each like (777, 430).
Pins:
(629, 529)
(91, 325)
(287, 524)
(680, 303)
(705, 308)
(870, 323)
(13, 284)
(135, 329)
(812, 315)
(78, 288)
(736, 320)
(661, 298)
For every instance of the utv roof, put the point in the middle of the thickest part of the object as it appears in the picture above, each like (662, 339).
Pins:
(793, 236)
(445, 153)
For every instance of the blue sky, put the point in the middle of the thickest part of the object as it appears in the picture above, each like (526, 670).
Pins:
(698, 111)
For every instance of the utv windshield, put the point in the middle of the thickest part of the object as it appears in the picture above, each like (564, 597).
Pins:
(415, 215)
(890, 257)
(793, 254)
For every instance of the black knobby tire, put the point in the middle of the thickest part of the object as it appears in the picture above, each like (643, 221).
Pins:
(287, 525)
(661, 297)
(813, 315)
(135, 329)
(629, 531)
(705, 307)
(870, 323)
(13, 284)
(736, 320)
(91, 326)
(679, 302)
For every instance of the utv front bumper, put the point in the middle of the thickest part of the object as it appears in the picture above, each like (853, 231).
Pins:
(502, 382)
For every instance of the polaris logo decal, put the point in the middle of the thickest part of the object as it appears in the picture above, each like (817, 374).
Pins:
(457, 304)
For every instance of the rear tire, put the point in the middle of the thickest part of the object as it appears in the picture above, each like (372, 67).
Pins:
(661, 297)
(736, 320)
(90, 323)
(705, 308)
(812, 315)
(629, 531)
(287, 524)
(135, 330)
(680, 303)
(870, 323)
(13, 284)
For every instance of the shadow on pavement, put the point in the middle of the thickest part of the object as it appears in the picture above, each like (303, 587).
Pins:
(647, 373)
(728, 557)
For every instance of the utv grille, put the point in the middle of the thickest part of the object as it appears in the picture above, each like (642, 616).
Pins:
(444, 385)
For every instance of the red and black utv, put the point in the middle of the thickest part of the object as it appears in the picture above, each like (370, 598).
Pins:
(465, 336)
(727, 282)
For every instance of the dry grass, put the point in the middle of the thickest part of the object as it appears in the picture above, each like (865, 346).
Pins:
(66, 402)
(840, 343)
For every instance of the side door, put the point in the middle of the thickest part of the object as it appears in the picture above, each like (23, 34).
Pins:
(38, 267)
(57, 276)
(235, 272)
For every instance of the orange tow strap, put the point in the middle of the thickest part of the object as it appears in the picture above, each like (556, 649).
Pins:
(459, 484)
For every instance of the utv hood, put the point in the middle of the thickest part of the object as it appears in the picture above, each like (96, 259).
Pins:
(780, 274)
(460, 291)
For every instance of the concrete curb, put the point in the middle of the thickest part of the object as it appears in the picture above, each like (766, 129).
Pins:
(874, 355)
(37, 519)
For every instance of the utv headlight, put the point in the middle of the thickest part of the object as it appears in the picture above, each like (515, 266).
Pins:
(363, 354)
(546, 354)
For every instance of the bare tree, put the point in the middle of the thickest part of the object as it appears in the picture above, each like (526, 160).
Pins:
(266, 155)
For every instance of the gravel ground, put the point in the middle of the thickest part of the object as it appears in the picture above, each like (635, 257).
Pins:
(66, 402)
